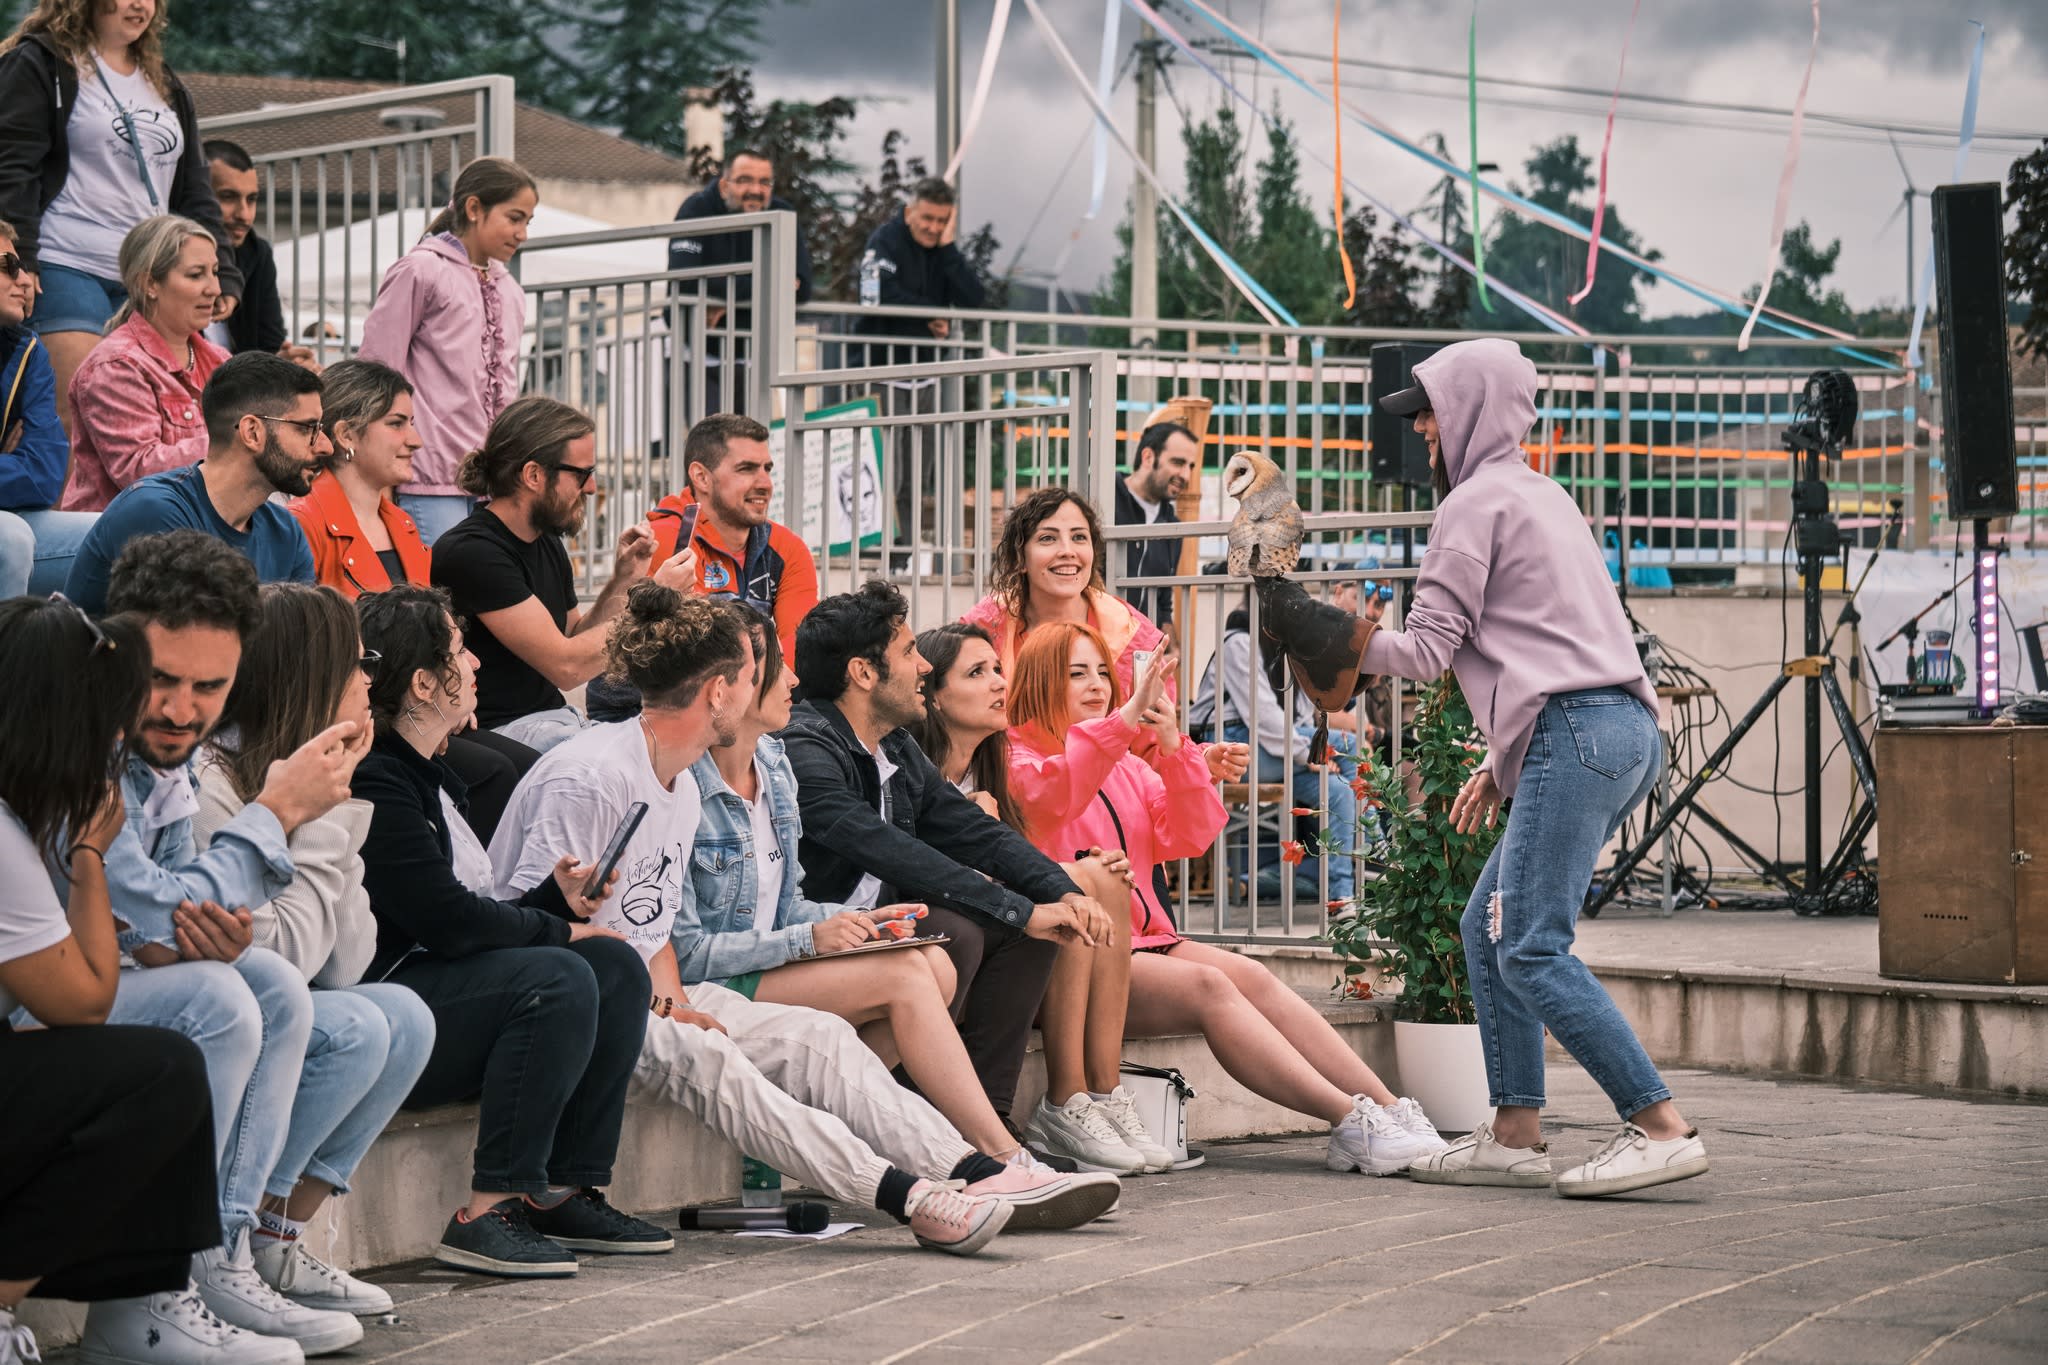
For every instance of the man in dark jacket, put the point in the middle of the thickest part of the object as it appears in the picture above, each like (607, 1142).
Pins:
(881, 826)
(258, 324)
(747, 185)
(1167, 459)
(911, 261)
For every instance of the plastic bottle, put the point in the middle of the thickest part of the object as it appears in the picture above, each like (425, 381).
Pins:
(760, 1184)
(870, 281)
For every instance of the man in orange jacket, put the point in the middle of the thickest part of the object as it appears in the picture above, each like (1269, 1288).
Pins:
(741, 552)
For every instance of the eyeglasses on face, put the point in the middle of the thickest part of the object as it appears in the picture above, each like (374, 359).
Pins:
(10, 265)
(309, 427)
(368, 663)
(584, 472)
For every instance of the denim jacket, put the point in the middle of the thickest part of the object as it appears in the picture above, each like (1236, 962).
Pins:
(150, 870)
(716, 933)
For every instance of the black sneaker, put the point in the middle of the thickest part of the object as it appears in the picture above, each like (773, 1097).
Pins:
(586, 1222)
(503, 1242)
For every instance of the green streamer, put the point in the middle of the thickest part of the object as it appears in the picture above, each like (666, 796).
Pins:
(1472, 115)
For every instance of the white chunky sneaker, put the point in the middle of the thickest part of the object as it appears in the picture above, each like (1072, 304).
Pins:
(1633, 1160)
(1407, 1112)
(175, 1329)
(1122, 1112)
(305, 1279)
(229, 1283)
(1476, 1159)
(1080, 1131)
(17, 1343)
(1372, 1140)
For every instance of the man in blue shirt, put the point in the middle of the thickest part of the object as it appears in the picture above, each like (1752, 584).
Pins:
(264, 436)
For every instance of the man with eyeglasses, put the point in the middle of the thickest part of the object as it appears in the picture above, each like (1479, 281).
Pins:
(507, 574)
(747, 185)
(263, 436)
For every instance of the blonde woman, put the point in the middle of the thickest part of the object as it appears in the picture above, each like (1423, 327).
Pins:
(135, 401)
(96, 135)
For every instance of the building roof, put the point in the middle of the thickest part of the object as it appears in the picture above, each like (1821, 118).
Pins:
(549, 145)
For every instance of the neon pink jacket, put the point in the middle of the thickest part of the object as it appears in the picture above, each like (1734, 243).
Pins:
(455, 334)
(134, 412)
(1168, 808)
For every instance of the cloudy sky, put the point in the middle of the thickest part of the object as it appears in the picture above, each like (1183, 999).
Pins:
(1698, 185)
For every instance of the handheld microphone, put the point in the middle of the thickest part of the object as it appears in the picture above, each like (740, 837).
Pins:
(784, 1218)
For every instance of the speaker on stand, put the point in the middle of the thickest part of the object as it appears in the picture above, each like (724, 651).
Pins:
(1978, 460)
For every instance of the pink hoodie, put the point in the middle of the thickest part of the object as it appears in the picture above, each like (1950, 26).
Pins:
(1513, 594)
(455, 334)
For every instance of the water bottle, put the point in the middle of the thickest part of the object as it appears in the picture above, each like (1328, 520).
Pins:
(760, 1184)
(870, 281)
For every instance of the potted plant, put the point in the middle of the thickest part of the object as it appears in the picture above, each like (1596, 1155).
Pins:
(1406, 921)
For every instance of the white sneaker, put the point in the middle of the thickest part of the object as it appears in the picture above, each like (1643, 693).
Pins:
(1476, 1159)
(1633, 1160)
(1122, 1112)
(229, 1283)
(17, 1343)
(310, 1282)
(175, 1329)
(1408, 1113)
(1370, 1139)
(1080, 1131)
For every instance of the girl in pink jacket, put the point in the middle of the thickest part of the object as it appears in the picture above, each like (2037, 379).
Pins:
(1077, 784)
(450, 317)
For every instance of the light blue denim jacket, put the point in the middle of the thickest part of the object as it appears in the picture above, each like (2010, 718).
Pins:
(149, 874)
(716, 932)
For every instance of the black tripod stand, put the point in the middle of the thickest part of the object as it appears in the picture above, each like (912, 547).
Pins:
(1828, 411)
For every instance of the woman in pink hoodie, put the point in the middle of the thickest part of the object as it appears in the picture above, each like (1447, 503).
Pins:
(1514, 597)
(1078, 784)
(449, 317)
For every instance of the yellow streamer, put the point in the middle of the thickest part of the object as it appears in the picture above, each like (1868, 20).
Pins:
(1336, 79)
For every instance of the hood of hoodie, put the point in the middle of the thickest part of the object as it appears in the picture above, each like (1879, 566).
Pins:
(447, 247)
(1484, 396)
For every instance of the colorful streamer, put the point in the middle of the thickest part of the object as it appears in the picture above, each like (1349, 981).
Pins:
(1606, 145)
(1336, 74)
(1105, 82)
(1791, 168)
(998, 22)
(1472, 123)
(1266, 305)
(1794, 326)
(1968, 135)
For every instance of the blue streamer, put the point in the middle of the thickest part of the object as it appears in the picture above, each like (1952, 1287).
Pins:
(1968, 134)
(1105, 82)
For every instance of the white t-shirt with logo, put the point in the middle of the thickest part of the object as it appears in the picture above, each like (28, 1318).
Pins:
(768, 868)
(572, 802)
(868, 894)
(103, 195)
(31, 916)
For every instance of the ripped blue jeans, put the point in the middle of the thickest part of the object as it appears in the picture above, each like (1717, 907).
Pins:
(1593, 758)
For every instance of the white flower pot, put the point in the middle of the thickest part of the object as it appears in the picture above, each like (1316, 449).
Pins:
(1443, 1067)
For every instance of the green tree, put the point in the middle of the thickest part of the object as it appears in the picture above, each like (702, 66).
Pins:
(633, 59)
(1388, 277)
(1544, 263)
(2026, 246)
(807, 141)
(1293, 256)
(1800, 286)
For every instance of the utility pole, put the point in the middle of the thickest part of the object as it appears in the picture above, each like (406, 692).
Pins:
(948, 17)
(1145, 212)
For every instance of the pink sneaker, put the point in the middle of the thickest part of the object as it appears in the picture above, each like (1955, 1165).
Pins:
(1045, 1198)
(945, 1219)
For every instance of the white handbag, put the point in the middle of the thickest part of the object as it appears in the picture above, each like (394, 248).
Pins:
(1161, 1096)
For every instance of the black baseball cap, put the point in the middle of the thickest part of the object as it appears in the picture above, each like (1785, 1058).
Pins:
(1405, 402)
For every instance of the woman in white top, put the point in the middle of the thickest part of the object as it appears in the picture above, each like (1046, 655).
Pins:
(302, 671)
(96, 134)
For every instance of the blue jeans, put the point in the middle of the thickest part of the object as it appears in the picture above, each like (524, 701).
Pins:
(1339, 805)
(251, 1018)
(73, 301)
(36, 549)
(543, 730)
(1594, 757)
(368, 1045)
(434, 513)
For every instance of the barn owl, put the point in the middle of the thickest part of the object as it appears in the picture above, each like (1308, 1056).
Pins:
(1265, 536)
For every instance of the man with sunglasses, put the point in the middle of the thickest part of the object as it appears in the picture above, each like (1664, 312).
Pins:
(263, 437)
(507, 574)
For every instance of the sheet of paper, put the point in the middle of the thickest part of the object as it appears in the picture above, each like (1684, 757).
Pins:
(831, 1230)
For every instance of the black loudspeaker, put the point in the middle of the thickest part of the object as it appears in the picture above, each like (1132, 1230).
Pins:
(1398, 455)
(1976, 363)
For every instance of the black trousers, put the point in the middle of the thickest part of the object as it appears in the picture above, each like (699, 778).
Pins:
(490, 765)
(546, 1039)
(106, 1160)
(1003, 973)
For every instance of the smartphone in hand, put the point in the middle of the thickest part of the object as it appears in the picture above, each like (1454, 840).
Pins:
(615, 850)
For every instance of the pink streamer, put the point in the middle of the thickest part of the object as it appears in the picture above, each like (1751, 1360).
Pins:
(1784, 183)
(1606, 144)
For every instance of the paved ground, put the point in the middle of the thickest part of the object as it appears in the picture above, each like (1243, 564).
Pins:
(1707, 940)
(1837, 1225)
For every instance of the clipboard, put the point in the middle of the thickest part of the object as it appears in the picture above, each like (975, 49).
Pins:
(884, 945)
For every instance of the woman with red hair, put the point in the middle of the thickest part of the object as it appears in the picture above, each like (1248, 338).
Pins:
(1077, 783)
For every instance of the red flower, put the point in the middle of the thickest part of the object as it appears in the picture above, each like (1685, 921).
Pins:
(1360, 788)
(1304, 810)
(1292, 852)
(1338, 907)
